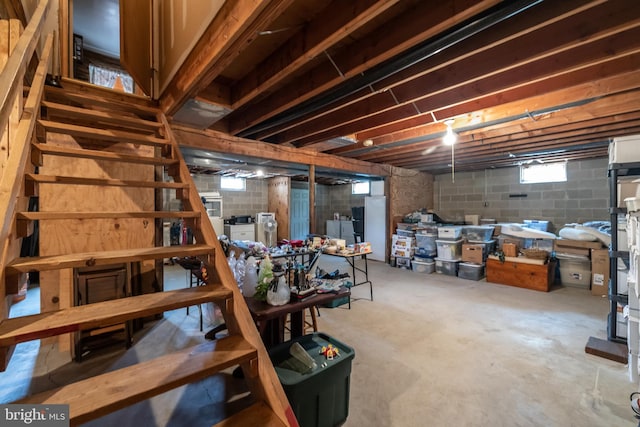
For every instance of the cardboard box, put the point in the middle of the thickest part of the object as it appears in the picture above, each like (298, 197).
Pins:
(473, 253)
(510, 249)
(576, 244)
(599, 272)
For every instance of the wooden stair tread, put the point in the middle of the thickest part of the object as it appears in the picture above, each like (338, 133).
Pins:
(101, 155)
(258, 414)
(102, 134)
(70, 112)
(54, 93)
(96, 215)
(56, 262)
(57, 179)
(100, 395)
(89, 316)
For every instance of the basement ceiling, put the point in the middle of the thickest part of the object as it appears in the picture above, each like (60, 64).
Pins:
(521, 80)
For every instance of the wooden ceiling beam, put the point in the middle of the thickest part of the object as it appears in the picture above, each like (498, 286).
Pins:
(496, 51)
(468, 145)
(612, 108)
(224, 143)
(326, 30)
(229, 33)
(602, 80)
(491, 72)
(406, 30)
(442, 154)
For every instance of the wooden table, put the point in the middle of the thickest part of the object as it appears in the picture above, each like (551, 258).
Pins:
(270, 319)
(351, 259)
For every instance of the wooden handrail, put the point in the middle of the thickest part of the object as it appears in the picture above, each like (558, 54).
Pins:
(12, 178)
(14, 70)
(267, 386)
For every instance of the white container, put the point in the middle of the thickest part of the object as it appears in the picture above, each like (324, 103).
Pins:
(575, 270)
(449, 249)
(623, 241)
(625, 149)
(449, 232)
(426, 267)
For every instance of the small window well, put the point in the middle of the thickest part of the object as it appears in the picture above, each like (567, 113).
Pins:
(360, 188)
(545, 172)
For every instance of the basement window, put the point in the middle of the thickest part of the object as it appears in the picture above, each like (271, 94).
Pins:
(360, 188)
(233, 183)
(545, 172)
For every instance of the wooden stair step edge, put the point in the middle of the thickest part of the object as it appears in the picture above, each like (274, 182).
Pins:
(38, 149)
(100, 395)
(114, 117)
(32, 216)
(258, 414)
(95, 99)
(102, 134)
(72, 180)
(89, 259)
(106, 313)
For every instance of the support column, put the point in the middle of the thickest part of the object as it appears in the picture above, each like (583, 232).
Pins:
(312, 199)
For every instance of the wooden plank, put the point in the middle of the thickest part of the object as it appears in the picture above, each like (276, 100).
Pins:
(11, 77)
(106, 313)
(53, 179)
(100, 155)
(101, 134)
(235, 24)
(224, 143)
(608, 349)
(135, 42)
(258, 414)
(90, 95)
(55, 262)
(70, 111)
(100, 395)
(32, 216)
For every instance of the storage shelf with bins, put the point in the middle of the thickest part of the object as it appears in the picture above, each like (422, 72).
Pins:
(615, 172)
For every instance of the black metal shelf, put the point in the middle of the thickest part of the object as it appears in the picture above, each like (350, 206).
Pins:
(615, 171)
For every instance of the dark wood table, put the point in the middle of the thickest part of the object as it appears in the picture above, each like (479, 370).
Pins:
(270, 320)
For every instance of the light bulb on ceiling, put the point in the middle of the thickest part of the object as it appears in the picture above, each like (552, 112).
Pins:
(450, 137)
(367, 142)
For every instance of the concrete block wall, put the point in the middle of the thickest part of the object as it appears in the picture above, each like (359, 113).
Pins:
(248, 202)
(584, 197)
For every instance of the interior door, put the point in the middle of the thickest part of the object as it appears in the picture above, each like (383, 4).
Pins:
(136, 42)
(299, 227)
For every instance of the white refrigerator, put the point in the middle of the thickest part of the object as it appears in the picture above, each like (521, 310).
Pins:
(375, 226)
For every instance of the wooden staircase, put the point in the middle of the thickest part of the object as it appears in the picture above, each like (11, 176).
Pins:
(79, 125)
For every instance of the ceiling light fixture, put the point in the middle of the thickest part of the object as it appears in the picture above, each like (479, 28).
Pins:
(450, 137)
(367, 142)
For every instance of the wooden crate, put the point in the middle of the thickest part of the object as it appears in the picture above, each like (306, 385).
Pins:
(539, 277)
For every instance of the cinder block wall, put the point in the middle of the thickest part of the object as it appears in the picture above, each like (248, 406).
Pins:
(584, 197)
(248, 202)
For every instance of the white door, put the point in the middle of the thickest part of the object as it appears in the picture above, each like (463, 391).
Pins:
(299, 214)
(375, 226)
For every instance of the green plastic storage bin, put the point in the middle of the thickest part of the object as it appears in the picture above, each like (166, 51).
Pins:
(319, 398)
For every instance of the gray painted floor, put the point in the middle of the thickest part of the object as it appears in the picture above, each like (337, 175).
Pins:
(430, 350)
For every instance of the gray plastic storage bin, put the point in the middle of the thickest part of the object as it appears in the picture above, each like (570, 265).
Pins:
(319, 398)
(469, 271)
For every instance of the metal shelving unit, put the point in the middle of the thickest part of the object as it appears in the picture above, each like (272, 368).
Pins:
(616, 171)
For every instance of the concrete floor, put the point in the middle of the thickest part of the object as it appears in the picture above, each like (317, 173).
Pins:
(429, 350)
